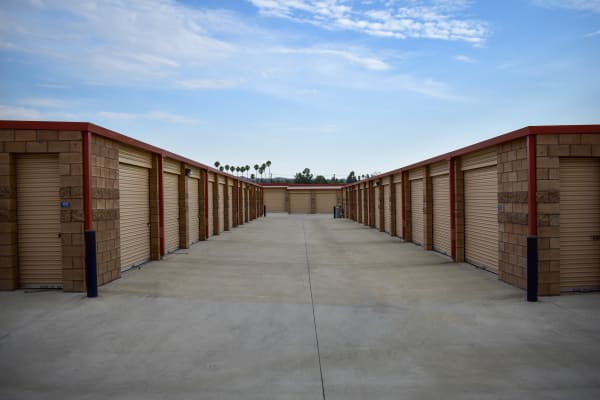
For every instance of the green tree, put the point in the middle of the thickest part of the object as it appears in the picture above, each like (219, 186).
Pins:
(217, 164)
(269, 166)
(221, 168)
(247, 169)
(351, 177)
(226, 167)
(320, 179)
(303, 177)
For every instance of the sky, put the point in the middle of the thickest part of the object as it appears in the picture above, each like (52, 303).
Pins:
(330, 85)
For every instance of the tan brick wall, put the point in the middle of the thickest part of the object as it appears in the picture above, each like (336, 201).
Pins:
(105, 208)
(155, 174)
(513, 211)
(68, 145)
(459, 210)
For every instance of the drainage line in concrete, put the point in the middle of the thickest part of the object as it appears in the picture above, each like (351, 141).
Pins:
(312, 302)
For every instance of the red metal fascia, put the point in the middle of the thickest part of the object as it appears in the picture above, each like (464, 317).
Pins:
(161, 205)
(531, 186)
(87, 181)
(452, 210)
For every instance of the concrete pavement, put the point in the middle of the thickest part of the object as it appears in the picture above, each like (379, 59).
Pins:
(232, 318)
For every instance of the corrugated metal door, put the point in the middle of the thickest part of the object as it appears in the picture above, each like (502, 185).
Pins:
(481, 217)
(416, 204)
(134, 209)
(299, 203)
(377, 210)
(193, 210)
(38, 219)
(211, 214)
(171, 196)
(399, 209)
(275, 200)
(221, 190)
(325, 202)
(579, 223)
(387, 223)
(441, 214)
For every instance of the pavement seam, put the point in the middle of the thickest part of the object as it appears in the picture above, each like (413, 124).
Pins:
(312, 302)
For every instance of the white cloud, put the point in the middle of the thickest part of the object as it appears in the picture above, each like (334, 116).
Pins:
(44, 103)
(423, 19)
(591, 34)
(160, 116)
(465, 59)
(207, 84)
(578, 5)
(12, 112)
(371, 63)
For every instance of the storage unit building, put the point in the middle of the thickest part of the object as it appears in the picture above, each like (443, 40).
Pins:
(416, 205)
(171, 173)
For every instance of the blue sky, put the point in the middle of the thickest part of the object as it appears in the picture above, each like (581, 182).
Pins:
(330, 85)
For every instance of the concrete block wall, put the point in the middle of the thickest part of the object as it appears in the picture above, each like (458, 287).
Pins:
(513, 211)
(105, 208)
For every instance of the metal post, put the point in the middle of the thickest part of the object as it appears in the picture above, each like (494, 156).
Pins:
(91, 271)
(265, 211)
(532, 268)
(334, 207)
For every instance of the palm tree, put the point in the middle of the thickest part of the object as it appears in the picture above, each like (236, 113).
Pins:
(247, 169)
(256, 168)
(269, 166)
(238, 169)
(252, 176)
(226, 167)
(217, 164)
(221, 168)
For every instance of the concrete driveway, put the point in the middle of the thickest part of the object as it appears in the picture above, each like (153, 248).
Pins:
(300, 307)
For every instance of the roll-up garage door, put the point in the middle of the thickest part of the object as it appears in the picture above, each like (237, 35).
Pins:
(38, 219)
(211, 214)
(416, 206)
(387, 224)
(221, 194)
(325, 202)
(377, 209)
(481, 217)
(365, 206)
(399, 209)
(275, 200)
(171, 196)
(134, 209)
(193, 210)
(579, 223)
(441, 214)
(299, 203)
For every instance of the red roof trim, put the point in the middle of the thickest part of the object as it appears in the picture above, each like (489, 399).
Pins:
(109, 134)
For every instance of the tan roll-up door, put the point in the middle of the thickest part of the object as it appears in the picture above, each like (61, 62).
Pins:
(275, 199)
(399, 209)
(171, 196)
(441, 214)
(299, 202)
(38, 220)
(481, 217)
(211, 214)
(326, 201)
(579, 223)
(193, 210)
(377, 210)
(134, 210)
(221, 216)
(387, 222)
(416, 198)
